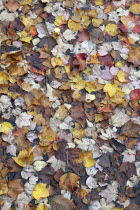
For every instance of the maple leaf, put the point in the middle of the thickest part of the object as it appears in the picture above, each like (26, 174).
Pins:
(40, 191)
(69, 181)
(24, 158)
(5, 127)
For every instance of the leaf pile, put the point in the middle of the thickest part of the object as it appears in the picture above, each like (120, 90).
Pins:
(69, 104)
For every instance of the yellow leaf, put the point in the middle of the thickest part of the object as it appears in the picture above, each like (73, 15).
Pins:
(79, 133)
(25, 2)
(3, 187)
(135, 8)
(87, 159)
(111, 29)
(121, 76)
(25, 37)
(42, 206)
(85, 21)
(99, 117)
(111, 89)
(5, 127)
(28, 21)
(40, 191)
(99, 2)
(59, 20)
(120, 64)
(24, 158)
(3, 77)
(56, 61)
(74, 26)
(96, 22)
(93, 86)
(118, 98)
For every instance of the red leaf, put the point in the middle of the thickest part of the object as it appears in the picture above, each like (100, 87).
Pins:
(83, 35)
(106, 60)
(135, 94)
(136, 29)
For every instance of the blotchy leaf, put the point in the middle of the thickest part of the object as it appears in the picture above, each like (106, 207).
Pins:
(69, 181)
(135, 94)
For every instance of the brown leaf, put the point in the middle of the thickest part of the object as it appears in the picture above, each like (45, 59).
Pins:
(15, 188)
(12, 5)
(69, 181)
(58, 202)
(130, 129)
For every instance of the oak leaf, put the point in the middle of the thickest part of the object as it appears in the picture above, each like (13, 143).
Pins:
(69, 181)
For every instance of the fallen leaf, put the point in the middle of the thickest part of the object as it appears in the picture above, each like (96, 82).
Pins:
(24, 158)
(122, 76)
(40, 191)
(69, 181)
(5, 127)
(135, 8)
(12, 5)
(111, 89)
(130, 129)
(42, 206)
(111, 29)
(15, 188)
(96, 22)
(87, 159)
(3, 187)
(135, 94)
(74, 26)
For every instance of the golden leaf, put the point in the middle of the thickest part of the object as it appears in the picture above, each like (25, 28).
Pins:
(5, 127)
(93, 86)
(56, 61)
(111, 29)
(28, 21)
(87, 159)
(24, 158)
(111, 89)
(135, 8)
(99, 117)
(25, 37)
(3, 77)
(99, 2)
(68, 181)
(40, 191)
(60, 20)
(25, 2)
(79, 133)
(121, 76)
(74, 26)
(96, 22)
(62, 112)
(46, 136)
(3, 187)
(118, 98)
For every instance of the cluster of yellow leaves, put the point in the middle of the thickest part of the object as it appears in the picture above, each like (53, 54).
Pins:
(87, 159)
(60, 20)
(96, 22)
(24, 158)
(56, 61)
(5, 127)
(69, 181)
(4, 77)
(117, 96)
(40, 191)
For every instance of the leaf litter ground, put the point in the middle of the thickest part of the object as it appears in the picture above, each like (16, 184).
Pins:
(69, 104)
